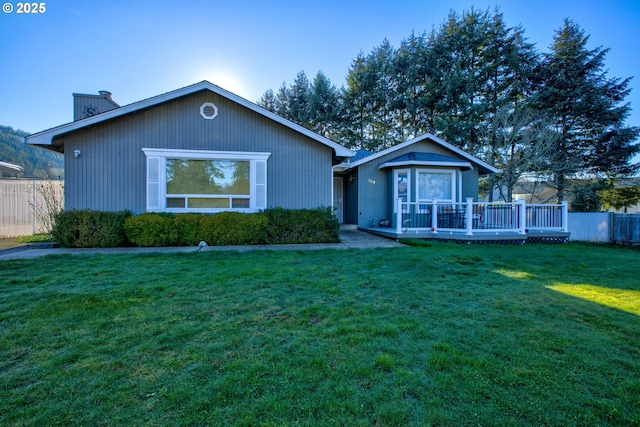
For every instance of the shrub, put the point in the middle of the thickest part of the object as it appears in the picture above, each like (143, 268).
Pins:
(106, 229)
(90, 229)
(189, 229)
(234, 228)
(152, 229)
(302, 226)
(225, 228)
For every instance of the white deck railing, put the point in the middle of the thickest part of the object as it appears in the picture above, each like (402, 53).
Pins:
(479, 217)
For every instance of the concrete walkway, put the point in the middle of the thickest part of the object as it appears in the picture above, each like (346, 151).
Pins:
(350, 238)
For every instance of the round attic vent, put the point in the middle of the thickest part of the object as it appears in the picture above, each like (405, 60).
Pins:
(208, 110)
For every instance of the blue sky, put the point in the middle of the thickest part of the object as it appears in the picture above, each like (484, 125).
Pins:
(138, 48)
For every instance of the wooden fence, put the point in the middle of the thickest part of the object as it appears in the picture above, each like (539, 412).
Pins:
(27, 206)
(604, 227)
(626, 229)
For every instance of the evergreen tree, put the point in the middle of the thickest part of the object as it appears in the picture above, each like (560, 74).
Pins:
(282, 102)
(355, 128)
(382, 78)
(587, 108)
(324, 106)
(463, 106)
(414, 86)
(268, 101)
(299, 107)
(369, 100)
(473, 81)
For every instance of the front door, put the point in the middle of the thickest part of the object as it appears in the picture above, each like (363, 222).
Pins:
(338, 198)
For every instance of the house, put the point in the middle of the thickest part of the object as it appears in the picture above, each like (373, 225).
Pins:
(428, 188)
(203, 149)
(421, 169)
(9, 169)
(196, 149)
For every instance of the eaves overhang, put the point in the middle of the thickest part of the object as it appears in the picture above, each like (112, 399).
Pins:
(53, 139)
(483, 167)
(459, 165)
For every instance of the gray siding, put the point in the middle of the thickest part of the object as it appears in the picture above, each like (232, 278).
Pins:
(375, 186)
(470, 184)
(373, 189)
(110, 174)
(99, 103)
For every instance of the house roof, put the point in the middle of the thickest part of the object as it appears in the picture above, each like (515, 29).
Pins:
(483, 167)
(360, 154)
(47, 138)
(425, 159)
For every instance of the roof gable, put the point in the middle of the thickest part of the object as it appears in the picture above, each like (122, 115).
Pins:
(46, 138)
(425, 159)
(484, 167)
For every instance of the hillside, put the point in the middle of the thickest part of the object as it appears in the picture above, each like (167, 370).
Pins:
(35, 161)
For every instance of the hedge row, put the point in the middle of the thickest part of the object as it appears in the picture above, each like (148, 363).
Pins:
(225, 228)
(302, 226)
(85, 228)
(90, 229)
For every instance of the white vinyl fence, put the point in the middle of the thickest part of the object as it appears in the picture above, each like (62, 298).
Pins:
(590, 226)
(604, 227)
(27, 206)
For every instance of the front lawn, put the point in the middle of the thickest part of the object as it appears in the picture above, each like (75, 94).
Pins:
(442, 334)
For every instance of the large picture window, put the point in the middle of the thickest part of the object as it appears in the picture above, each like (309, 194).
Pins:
(436, 185)
(205, 181)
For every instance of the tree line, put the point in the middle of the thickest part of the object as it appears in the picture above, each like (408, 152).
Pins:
(35, 161)
(480, 85)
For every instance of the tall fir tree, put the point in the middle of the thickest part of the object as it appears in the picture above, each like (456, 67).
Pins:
(588, 110)
(415, 90)
(299, 107)
(324, 106)
(383, 81)
(472, 81)
(356, 95)
(268, 101)
(282, 101)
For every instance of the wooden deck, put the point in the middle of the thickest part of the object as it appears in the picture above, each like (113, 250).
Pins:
(477, 222)
(510, 237)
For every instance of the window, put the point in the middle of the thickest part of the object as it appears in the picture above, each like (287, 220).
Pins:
(436, 185)
(402, 188)
(205, 181)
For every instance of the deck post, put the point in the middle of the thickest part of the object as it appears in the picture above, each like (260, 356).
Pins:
(434, 216)
(469, 216)
(523, 216)
(565, 216)
(399, 215)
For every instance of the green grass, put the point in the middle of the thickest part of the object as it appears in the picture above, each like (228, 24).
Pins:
(442, 334)
(36, 238)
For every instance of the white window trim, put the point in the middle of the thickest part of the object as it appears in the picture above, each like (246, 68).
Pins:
(157, 188)
(454, 184)
(397, 172)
